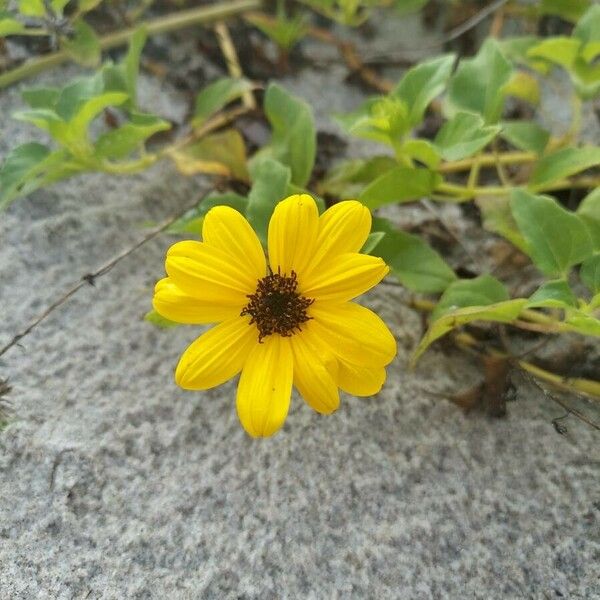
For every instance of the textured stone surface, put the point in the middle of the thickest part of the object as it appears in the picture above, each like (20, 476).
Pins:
(117, 484)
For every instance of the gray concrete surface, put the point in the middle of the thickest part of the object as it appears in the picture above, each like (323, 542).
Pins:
(115, 484)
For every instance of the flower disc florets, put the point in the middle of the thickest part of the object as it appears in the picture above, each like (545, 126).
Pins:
(276, 306)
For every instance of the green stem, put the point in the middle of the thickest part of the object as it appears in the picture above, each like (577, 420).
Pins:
(128, 168)
(488, 160)
(171, 22)
(459, 193)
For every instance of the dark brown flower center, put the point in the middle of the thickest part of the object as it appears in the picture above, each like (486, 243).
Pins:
(276, 306)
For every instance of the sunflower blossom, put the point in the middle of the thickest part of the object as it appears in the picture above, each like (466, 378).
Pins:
(286, 323)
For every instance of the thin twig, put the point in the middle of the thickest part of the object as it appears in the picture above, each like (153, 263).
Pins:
(232, 61)
(90, 278)
(564, 405)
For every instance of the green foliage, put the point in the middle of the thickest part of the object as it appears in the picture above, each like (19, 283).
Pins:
(217, 95)
(84, 46)
(66, 115)
(589, 213)
(478, 83)
(285, 31)
(349, 178)
(480, 291)
(481, 299)
(525, 135)
(590, 273)
(421, 84)
(553, 294)
(576, 54)
(401, 184)
(416, 265)
(270, 183)
(556, 239)
(570, 10)
(294, 138)
(563, 163)
(464, 135)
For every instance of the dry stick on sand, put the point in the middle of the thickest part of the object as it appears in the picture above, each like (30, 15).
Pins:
(90, 278)
(233, 63)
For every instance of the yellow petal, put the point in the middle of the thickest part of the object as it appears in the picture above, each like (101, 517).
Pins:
(342, 228)
(173, 303)
(360, 381)
(293, 233)
(225, 228)
(353, 333)
(314, 372)
(265, 387)
(217, 355)
(344, 277)
(209, 273)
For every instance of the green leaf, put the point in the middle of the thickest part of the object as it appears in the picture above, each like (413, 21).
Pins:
(422, 83)
(222, 153)
(41, 97)
(553, 294)
(560, 50)
(589, 213)
(477, 85)
(73, 95)
(480, 291)
(17, 167)
(423, 151)
(270, 181)
(382, 119)
(464, 135)
(285, 32)
(500, 312)
(294, 138)
(416, 265)
(58, 6)
(525, 135)
(372, 240)
(583, 323)
(131, 63)
(217, 95)
(10, 26)
(562, 164)
(84, 46)
(497, 217)
(347, 179)
(88, 5)
(524, 86)
(40, 117)
(570, 10)
(159, 321)
(75, 134)
(402, 184)
(590, 273)
(32, 8)
(119, 143)
(192, 221)
(405, 7)
(588, 28)
(556, 239)
(29, 167)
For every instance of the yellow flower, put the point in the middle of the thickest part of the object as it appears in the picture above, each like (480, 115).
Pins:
(290, 323)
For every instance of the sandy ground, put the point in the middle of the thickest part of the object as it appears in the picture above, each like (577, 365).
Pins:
(117, 484)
